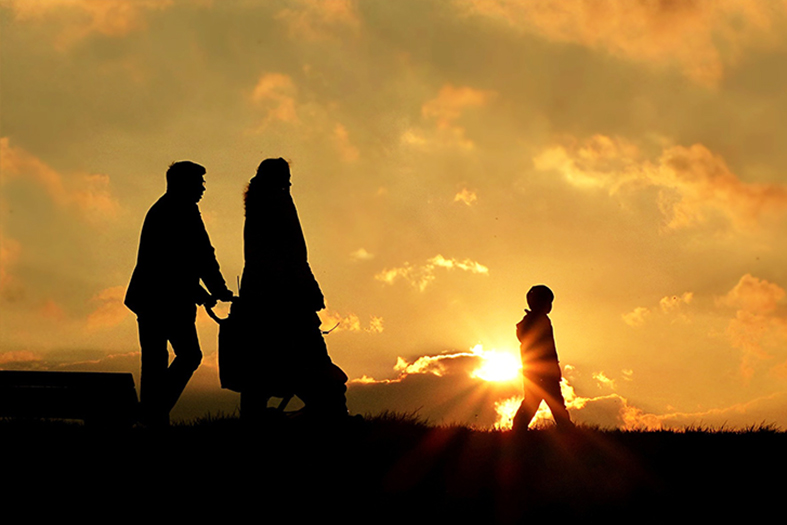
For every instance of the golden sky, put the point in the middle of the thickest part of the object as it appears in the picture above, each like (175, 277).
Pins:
(446, 155)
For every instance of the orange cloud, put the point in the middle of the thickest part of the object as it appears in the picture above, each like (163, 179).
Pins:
(110, 310)
(81, 18)
(349, 322)
(672, 305)
(477, 363)
(347, 151)
(754, 295)
(445, 384)
(361, 255)
(422, 276)
(320, 19)
(636, 317)
(759, 328)
(10, 249)
(445, 110)
(467, 196)
(275, 92)
(602, 378)
(701, 37)
(449, 104)
(52, 311)
(695, 186)
(15, 358)
(88, 194)
(751, 410)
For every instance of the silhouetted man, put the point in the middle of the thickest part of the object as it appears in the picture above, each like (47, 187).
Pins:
(175, 253)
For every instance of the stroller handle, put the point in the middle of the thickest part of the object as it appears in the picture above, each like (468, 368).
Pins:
(212, 314)
(219, 320)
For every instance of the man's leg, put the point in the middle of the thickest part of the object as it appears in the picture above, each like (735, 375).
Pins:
(153, 372)
(188, 356)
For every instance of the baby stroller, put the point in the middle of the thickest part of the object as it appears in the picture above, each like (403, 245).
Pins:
(235, 362)
(233, 359)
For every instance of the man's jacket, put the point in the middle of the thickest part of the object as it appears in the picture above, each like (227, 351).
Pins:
(175, 253)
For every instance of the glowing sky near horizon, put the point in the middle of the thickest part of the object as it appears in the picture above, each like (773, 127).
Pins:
(446, 156)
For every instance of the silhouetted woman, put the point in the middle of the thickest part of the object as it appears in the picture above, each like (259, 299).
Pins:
(280, 299)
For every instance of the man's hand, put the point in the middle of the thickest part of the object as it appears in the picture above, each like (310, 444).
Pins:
(226, 297)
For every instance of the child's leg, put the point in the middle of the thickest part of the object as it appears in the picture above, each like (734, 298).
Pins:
(557, 405)
(529, 406)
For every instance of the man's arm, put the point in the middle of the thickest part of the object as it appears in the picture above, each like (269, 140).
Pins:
(209, 270)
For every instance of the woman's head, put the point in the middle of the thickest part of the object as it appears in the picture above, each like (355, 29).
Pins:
(273, 176)
(273, 173)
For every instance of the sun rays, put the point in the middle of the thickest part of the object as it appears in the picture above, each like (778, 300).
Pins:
(496, 366)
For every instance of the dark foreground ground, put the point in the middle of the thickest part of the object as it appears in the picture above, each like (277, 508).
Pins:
(386, 469)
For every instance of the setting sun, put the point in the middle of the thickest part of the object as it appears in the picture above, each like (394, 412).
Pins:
(497, 366)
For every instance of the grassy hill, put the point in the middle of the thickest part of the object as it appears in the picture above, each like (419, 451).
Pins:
(389, 468)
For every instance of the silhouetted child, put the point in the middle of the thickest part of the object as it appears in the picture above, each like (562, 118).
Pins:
(539, 361)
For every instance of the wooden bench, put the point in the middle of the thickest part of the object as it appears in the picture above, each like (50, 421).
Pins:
(98, 398)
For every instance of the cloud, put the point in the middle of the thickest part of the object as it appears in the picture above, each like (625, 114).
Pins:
(51, 311)
(616, 411)
(444, 111)
(451, 102)
(672, 306)
(432, 364)
(335, 321)
(275, 93)
(10, 250)
(320, 20)
(754, 295)
(347, 151)
(122, 362)
(19, 360)
(671, 303)
(602, 378)
(467, 196)
(441, 387)
(702, 38)
(88, 194)
(637, 317)
(477, 363)
(82, 18)
(361, 255)
(759, 328)
(450, 386)
(110, 310)
(422, 276)
(741, 415)
(694, 186)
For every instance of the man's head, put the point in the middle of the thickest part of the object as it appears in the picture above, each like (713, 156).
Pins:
(274, 173)
(540, 298)
(186, 179)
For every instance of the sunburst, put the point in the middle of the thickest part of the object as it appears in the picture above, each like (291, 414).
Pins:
(497, 366)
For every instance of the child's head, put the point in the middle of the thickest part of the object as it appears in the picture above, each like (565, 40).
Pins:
(540, 298)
